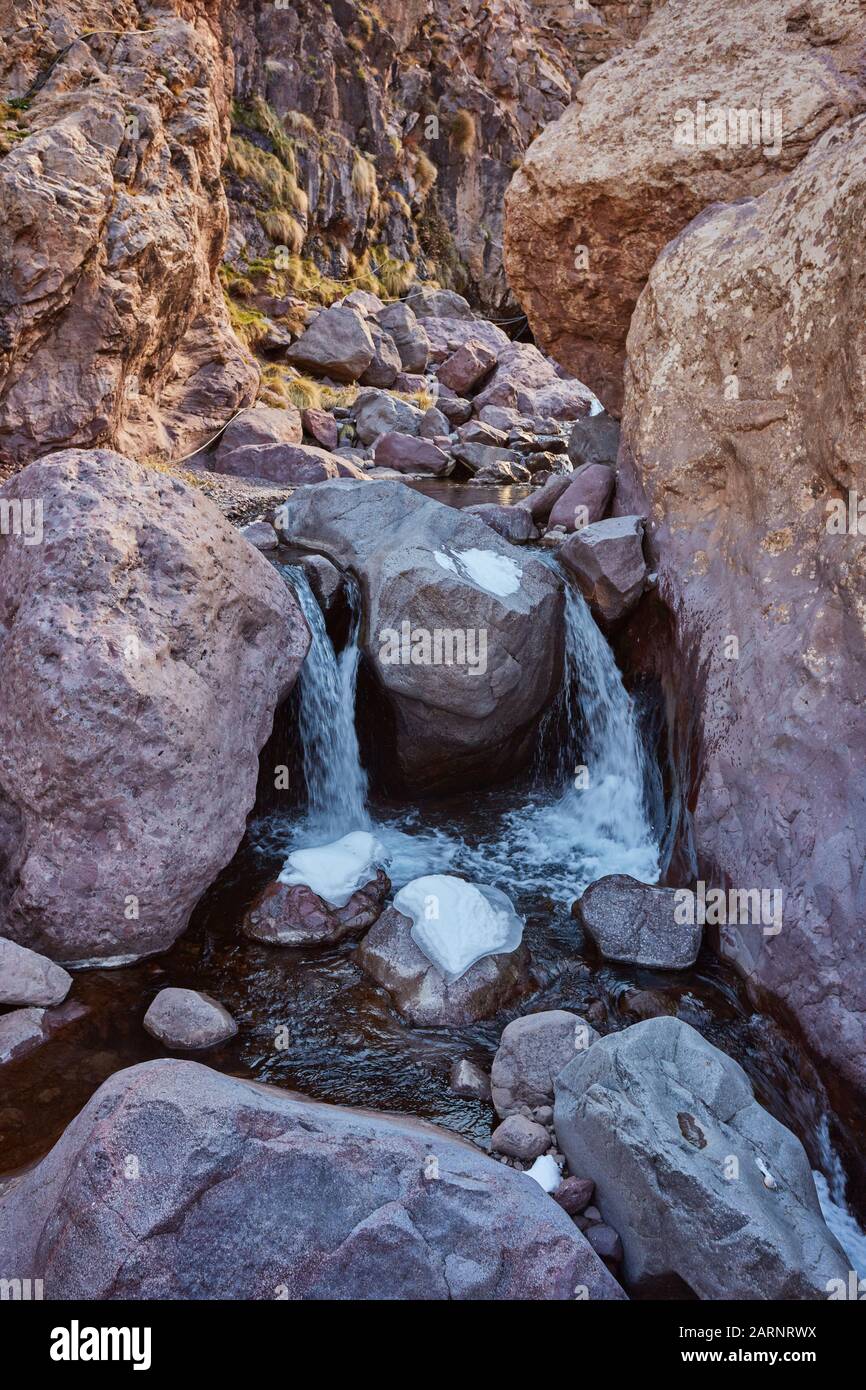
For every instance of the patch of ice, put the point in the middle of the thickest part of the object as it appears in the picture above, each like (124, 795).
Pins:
(337, 870)
(456, 923)
(495, 574)
(545, 1172)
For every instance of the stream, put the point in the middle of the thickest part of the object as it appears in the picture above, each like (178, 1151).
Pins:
(592, 804)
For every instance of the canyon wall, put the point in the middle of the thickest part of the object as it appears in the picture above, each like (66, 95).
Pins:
(639, 153)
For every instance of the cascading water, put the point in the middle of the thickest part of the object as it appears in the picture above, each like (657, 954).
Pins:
(336, 781)
(599, 823)
(830, 1185)
(593, 821)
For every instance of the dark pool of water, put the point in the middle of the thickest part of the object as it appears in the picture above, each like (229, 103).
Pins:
(310, 1021)
(457, 494)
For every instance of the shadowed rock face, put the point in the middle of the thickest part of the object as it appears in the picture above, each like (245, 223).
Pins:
(657, 1117)
(112, 224)
(245, 1192)
(611, 178)
(743, 422)
(149, 645)
(457, 724)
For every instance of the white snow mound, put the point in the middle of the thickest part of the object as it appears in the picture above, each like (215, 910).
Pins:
(337, 870)
(495, 574)
(455, 923)
(545, 1171)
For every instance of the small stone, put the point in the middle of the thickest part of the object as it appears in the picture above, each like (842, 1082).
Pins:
(29, 978)
(186, 1020)
(574, 1194)
(593, 1214)
(605, 1242)
(520, 1138)
(469, 1080)
(20, 1032)
(261, 534)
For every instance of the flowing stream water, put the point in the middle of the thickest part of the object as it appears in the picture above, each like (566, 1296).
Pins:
(593, 805)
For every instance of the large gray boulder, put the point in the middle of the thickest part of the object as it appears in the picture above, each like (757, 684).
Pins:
(336, 344)
(421, 993)
(408, 335)
(261, 424)
(378, 412)
(636, 923)
(144, 647)
(247, 1192)
(607, 558)
(712, 1197)
(532, 1051)
(431, 570)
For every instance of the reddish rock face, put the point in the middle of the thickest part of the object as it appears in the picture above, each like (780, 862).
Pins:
(261, 425)
(466, 367)
(149, 644)
(293, 915)
(743, 439)
(280, 463)
(605, 187)
(112, 224)
(586, 497)
(322, 426)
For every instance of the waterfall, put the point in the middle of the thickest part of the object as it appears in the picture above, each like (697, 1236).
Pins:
(556, 841)
(610, 781)
(597, 820)
(336, 781)
(830, 1186)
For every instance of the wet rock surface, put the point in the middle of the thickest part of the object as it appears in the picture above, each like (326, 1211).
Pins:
(635, 922)
(28, 978)
(389, 955)
(532, 1052)
(293, 915)
(188, 1020)
(453, 721)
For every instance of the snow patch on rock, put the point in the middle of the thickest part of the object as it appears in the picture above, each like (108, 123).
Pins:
(337, 870)
(545, 1171)
(455, 923)
(495, 574)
